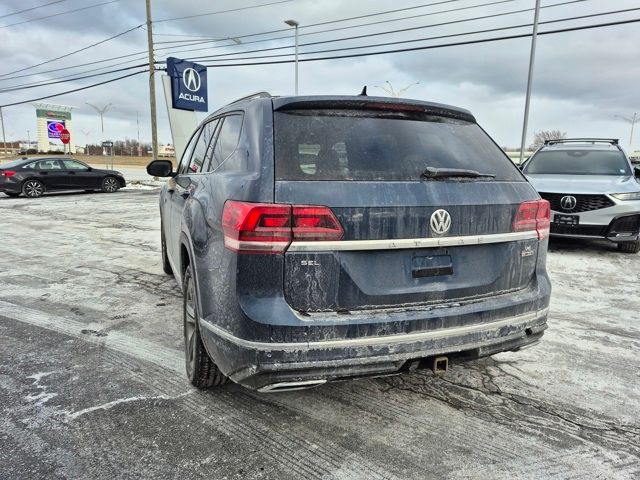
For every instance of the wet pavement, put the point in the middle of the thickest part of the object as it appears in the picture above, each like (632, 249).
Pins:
(92, 380)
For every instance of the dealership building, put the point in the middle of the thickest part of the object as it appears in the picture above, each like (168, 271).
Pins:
(52, 119)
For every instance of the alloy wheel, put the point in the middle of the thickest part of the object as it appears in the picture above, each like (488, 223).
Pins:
(33, 188)
(110, 184)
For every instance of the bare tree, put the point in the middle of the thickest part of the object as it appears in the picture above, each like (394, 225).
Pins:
(540, 137)
(392, 91)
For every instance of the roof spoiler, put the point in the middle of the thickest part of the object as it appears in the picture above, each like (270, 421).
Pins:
(611, 141)
(252, 96)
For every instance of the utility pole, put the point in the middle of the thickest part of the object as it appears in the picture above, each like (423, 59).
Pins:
(4, 139)
(152, 83)
(532, 60)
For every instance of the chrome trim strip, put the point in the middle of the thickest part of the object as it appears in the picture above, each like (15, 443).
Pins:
(393, 244)
(289, 386)
(371, 341)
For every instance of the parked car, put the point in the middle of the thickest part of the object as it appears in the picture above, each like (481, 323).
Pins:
(325, 238)
(592, 187)
(32, 177)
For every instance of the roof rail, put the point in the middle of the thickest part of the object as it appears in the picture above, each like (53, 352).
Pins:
(253, 95)
(612, 141)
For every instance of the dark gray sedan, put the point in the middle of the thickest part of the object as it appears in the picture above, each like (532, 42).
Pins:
(33, 177)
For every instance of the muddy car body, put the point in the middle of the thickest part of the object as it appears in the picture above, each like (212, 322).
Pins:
(313, 243)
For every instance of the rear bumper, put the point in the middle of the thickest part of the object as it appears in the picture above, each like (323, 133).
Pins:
(268, 365)
(11, 187)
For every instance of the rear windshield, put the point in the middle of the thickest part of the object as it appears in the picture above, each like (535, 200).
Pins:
(14, 163)
(578, 162)
(361, 145)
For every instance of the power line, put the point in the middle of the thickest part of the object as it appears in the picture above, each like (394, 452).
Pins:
(77, 66)
(355, 55)
(249, 7)
(243, 36)
(58, 14)
(389, 32)
(484, 17)
(61, 79)
(43, 84)
(74, 90)
(32, 8)
(439, 37)
(72, 53)
(326, 22)
(431, 47)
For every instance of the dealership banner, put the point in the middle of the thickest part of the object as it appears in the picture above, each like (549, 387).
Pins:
(188, 85)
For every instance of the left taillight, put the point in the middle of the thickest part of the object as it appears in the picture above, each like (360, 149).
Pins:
(7, 173)
(533, 215)
(270, 228)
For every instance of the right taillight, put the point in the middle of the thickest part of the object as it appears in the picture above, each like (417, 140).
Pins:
(270, 228)
(533, 215)
(7, 173)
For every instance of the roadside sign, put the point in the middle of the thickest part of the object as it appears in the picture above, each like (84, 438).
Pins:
(54, 128)
(188, 85)
(65, 136)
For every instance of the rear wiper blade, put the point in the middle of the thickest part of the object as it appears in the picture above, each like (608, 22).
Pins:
(432, 172)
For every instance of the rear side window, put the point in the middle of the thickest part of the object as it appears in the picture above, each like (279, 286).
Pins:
(48, 165)
(200, 148)
(361, 145)
(578, 162)
(226, 143)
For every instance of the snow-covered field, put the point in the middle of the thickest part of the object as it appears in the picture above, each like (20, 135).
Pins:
(92, 382)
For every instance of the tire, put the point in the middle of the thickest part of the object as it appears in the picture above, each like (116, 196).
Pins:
(629, 247)
(13, 194)
(110, 185)
(33, 188)
(201, 370)
(166, 266)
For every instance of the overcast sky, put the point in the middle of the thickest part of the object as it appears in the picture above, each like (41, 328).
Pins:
(582, 79)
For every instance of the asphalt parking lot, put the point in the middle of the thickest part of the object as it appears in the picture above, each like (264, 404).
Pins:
(92, 382)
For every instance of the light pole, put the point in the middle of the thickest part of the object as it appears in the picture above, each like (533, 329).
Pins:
(635, 118)
(532, 60)
(296, 25)
(101, 112)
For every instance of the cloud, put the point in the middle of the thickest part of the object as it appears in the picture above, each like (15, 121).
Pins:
(582, 79)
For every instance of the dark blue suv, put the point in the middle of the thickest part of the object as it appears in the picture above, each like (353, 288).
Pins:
(326, 238)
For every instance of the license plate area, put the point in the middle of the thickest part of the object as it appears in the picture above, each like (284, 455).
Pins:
(566, 220)
(431, 266)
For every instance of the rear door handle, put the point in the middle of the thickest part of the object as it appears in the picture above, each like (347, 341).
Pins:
(71, 173)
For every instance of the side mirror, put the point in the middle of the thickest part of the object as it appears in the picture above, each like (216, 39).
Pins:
(636, 171)
(89, 169)
(160, 168)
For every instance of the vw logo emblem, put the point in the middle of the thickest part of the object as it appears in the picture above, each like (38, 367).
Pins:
(440, 222)
(191, 79)
(568, 202)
